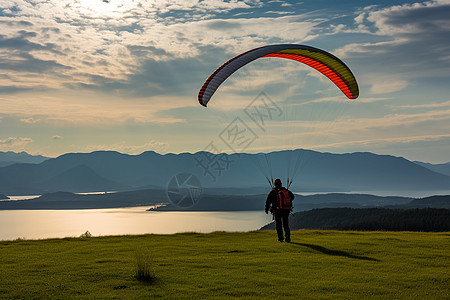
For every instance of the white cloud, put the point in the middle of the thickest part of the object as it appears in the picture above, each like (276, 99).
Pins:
(63, 109)
(278, 12)
(347, 129)
(14, 143)
(30, 120)
(388, 86)
(412, 18)
(421, 106)
(392, 121)
(342, 99)
(84, 42)
(411, 43)
(360, 18)
(384, 142)
(372, 49)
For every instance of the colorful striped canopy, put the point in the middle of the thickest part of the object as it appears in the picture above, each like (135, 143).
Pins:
(324, 62)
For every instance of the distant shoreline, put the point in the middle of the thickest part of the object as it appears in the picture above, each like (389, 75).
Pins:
(151, 197)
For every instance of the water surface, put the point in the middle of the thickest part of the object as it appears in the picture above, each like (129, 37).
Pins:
(39, 224)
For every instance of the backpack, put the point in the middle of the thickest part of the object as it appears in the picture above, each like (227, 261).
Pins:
(283, 199)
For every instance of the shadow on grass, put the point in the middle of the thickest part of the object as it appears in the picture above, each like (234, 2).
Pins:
(334, 252)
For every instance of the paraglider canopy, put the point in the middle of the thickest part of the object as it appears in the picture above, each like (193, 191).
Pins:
(320, 60)
(324, 62)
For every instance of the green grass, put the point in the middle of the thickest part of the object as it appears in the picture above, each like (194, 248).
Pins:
(318, 264)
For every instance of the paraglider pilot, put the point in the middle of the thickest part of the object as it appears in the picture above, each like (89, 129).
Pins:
(279, 203)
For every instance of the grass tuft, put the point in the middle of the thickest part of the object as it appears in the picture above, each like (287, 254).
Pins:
(144, 270)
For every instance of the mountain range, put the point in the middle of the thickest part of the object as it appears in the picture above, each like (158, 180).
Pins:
(10, 158)
(325, 172)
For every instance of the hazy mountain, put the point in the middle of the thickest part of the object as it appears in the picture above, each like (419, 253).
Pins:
(439, 168)
(32, 179)
(9, 158)
(317, 172)
(433, 201)
(81, 178)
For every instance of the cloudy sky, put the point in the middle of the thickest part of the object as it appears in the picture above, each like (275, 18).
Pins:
(86, 75)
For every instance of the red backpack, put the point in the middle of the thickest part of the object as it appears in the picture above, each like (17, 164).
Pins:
(284, 201)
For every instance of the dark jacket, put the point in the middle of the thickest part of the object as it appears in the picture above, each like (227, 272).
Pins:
(272, 198)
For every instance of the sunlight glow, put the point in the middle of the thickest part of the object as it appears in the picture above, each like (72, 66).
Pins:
(105, 8)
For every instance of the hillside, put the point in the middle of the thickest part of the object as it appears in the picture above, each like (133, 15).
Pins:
(439, 168)
(318, 172)
(81, 178)
(433, 201)
(371, 219)
(316, 265)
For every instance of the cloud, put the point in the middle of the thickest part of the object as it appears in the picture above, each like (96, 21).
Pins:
(343, 129)
(16, 54)
(421, 106)
(146, 51)
(30, 120)
(415, 18)
(372, 145)
(6, 89)
(388, 86)
(223, 25)
(13, 23)
(388, 144)
(124, 63)
(362, 100)
(84, 33)
(57, 109)
(279, 12)
(407, 43)
(25, 62)
(392, 121)
(13, 143)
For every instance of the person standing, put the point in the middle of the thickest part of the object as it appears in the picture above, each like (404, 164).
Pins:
(279, 203)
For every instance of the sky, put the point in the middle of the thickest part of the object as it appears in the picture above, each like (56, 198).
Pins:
(87, 75)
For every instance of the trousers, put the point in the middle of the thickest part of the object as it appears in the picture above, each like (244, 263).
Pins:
(282, 222)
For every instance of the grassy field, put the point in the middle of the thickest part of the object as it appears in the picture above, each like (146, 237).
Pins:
(317, 264)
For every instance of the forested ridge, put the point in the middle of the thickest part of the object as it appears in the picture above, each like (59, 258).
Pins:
(372, 219)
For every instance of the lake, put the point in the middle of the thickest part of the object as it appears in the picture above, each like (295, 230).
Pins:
(40, 224)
